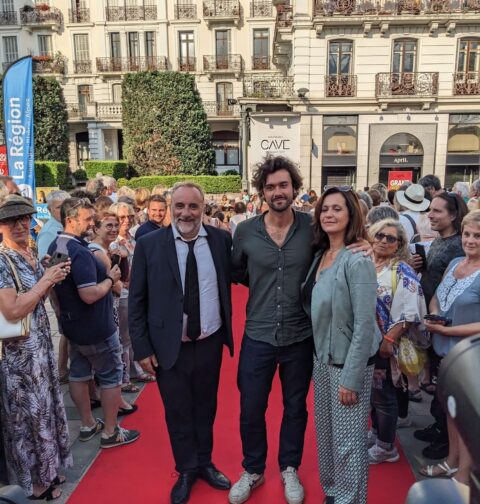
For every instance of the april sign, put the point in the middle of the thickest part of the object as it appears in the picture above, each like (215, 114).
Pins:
(18, 118)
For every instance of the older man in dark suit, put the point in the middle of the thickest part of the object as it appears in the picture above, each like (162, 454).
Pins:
(180, 318)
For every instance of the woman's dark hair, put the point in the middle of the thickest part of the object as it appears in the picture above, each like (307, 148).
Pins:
(455, 206)
(220, 216)
(356, 224)
(391, 196)
(208, 210)
(272, 164)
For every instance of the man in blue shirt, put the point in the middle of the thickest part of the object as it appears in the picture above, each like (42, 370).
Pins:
(86, 315)
(156, 211)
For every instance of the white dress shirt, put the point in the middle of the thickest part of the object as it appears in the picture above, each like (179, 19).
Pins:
(210, 317)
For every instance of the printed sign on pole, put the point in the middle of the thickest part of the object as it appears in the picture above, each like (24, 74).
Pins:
(397, 178)
(3, 160)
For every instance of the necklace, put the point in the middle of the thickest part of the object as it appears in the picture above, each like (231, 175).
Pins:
(25, 252)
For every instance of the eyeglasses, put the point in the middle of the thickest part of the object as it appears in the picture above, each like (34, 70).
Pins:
(124, 217)
(24, 220)
(111, 226)
(80, 202)
(342, 188)
(390, 239)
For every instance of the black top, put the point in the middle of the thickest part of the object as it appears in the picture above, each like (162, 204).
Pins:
(145, 228)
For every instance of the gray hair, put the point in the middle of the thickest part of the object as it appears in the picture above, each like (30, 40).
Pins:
(381, 212)
(402, 254)
(95, 186)
(57, 196)
(475, 187)
(108, 181)
(382, 189)
(190, 185)
(461, 188)
(365, 197)
(116, 207)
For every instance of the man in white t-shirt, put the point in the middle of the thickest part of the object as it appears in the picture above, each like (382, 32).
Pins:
(410, 203)
(240, 210)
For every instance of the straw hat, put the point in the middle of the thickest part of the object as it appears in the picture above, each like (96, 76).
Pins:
(15, 206)
(413, 198)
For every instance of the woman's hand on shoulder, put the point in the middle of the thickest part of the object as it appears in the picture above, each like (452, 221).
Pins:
(361, 246)
(347, 397)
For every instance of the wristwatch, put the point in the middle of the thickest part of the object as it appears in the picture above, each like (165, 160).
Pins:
(111, 279)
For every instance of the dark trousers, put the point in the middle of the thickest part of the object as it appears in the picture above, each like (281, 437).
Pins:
(384, 404)
(257, 367)
(189, 394)
(436, 409)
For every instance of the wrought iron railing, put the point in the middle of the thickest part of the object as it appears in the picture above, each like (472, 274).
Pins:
(221, 109)
(8, 18)
(422, 84)
(185, 11)
(134, 13)
(36, 15)
(136, 64)
(284, 16)
(340, 85)
(228, 63)
(45, 65)
(268, 86)
(260, 63)
(221, 9)
(109, 110)
(466, 83)
(392, 7)
(80, 15)
(82, 67)
(187, 64)
(261, 8)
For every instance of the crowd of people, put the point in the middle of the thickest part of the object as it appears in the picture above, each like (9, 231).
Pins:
(340, 285)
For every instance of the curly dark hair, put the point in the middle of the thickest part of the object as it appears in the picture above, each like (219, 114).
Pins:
(272, 164)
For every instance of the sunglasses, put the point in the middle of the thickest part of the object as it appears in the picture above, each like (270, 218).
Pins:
(24, 220)
(390, 239)
(342, 188)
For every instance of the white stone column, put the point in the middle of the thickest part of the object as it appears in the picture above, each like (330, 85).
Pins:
(96, 141)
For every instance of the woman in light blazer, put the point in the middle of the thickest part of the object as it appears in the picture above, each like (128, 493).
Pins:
(340, 294)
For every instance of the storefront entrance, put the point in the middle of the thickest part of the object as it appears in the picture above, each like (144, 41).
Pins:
(401, 152)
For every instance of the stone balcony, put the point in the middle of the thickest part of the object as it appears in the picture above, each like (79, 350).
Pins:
(185, 11)
(95, 110)
(466, 83)
(80, 15)
(138, 64)
(48, 65)
(228, 64)
(134, 13)
(8, 18)
(338, 86)
(40, 17)
(221, 11)
(221, 109)
(406, 84)
(268, 86)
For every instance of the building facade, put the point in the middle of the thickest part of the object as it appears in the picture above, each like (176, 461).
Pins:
(349, 89)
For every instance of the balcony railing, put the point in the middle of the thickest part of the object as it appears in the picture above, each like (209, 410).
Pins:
(80, 15)
(221, 9)
(96, 110)
(220, 109)
(185, 11)
(8, 18)
(134, 13)
(284, 16)
(48, 65)
(109, 110)
(260, 63)
(268, 86)
(416, 84)
(466, 83)
(340, 85)
(392, 7)
(138, 64)
(227, 63)
(82, 67)
(261, 8)
(187, 64)
(36, 15)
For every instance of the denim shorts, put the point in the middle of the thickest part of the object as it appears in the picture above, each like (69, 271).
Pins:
(103, 359)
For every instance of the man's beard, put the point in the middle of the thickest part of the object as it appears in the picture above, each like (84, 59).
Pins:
(285, 204)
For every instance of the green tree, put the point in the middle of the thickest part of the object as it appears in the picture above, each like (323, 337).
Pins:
(165, 126)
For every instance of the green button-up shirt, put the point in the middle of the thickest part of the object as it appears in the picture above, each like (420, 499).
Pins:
(274, 276)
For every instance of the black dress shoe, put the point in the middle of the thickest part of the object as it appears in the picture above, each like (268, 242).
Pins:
(182, 488)
(437, 450)
(428, 434)
(214, 477)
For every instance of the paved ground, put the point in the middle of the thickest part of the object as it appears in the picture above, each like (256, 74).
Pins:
(85, 453)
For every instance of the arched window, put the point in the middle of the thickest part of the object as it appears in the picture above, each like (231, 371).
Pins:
(402, 143)
(340, 140)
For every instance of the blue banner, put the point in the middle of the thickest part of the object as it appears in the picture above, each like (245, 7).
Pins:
(18, 116)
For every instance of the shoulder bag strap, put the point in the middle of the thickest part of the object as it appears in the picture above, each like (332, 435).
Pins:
(16, 278)
(394, 278)
(412, 222)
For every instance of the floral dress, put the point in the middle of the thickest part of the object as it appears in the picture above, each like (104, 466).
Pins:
(400, 299)
(34, 423)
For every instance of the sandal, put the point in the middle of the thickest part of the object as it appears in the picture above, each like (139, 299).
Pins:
(130, 388)
(145, 378)
(59, 480)
(428, 388)
(444, 470)
(127, 411)
(47, 495)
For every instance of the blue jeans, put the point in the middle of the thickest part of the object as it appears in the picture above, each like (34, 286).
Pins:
(257, 367)
(384, 403)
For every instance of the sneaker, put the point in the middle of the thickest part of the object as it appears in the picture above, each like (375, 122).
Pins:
(377, 455)
(119, 437)
(371, 438)
(294, 492)
(241, 490)
(403, 423)
(428, 434)
(87, 433)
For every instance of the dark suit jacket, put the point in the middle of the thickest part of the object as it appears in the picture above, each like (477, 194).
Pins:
(155, 302)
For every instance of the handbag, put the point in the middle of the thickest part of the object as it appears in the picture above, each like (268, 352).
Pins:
(411, 359)
(21, 328)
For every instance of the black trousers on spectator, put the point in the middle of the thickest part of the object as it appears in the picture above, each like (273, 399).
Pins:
(436, 409)
(189, 394)
(257, 367)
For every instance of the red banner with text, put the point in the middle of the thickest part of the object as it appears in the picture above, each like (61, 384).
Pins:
(397, 178)
(3, 160)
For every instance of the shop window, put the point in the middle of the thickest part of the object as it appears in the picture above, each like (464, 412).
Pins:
(340, 140)
(464, 139)
(402, 143)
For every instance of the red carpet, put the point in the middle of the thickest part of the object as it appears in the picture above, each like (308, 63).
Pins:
(144, 471)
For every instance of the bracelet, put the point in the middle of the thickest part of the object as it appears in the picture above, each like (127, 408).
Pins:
(390, 340)
(111, 279)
